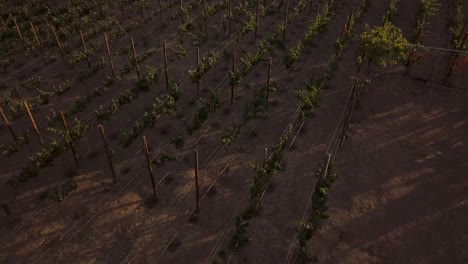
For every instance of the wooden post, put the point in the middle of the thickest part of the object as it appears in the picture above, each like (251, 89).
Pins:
(18, 29)
(352, 99)
(230, 15)
(69, 139)
(135, 57)
(420, 31)
(386, 18)
(38, 43)
(197, 195)
(182, 11)
(324, 170)
(256, 18)
(418, 42)
(205, 17)
(285, 19)
(141, 10)
(270, 60)
(350, 18)
(165, 65)
(455, 58)
(462, 43)
(106, 147)
(150, 168)
(463, 29)
(419, 38)
(343, 32)
(33, 122)
(160, 11)
(198, 65)
(109, 54)
(234, 73)
(85, 48)
(59, 45)
(265, 157)
(10, 128)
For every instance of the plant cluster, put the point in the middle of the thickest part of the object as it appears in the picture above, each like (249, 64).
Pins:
(263, 177)
(124, 98)
(46, 155)
(163, 104)
(206, 63)
(426, 8)
(456, 25)
(61, 192)
(384, 45)
(16, 146)
(231, 136)
(309, 96)
(204, 107)
(319, 212)
(318, 26)
(78, 56)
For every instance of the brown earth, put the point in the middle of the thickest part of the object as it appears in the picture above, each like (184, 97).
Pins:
(401, 195)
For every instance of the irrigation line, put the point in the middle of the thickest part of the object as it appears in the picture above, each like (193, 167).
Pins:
(129, 255)
(269, 182)
(98, 201)
(14, 231)
(88, 117)
(300, 128)
(310, 198)
(205, 194)
(149, 193)
(315, 185)
(438, 49)
(96, 21)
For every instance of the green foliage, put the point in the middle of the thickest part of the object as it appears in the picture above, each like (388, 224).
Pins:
(204, 107)
(124, 98)
(61, 193)
(319, 212)
(384, 45)
(16, 146)
(263, 177)
(392, 9)
(78, 56)
(94, 69)
(179, 51)
(40, 160)
(163, 104)
(43, 97)
(426, 8)
(178, 142)
(429, 7)
(247, 27)
(33, 83)
(309, 97)
(206, 63)
(456, 25)
(231, 136)
(62, 88)
(318, 26)
(187, 26)
(259, 104)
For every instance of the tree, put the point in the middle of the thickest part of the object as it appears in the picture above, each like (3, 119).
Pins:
(383, 44)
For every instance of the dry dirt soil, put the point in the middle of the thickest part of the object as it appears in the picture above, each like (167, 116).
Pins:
(401, 195)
